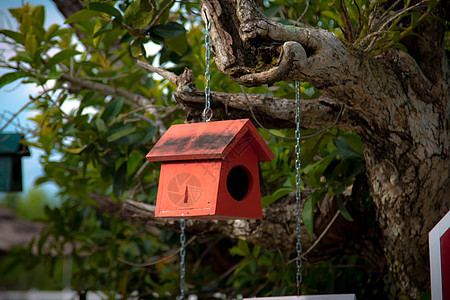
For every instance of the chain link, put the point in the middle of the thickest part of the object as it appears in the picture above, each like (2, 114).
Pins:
(298, 182)
(183, 258)
(207, 112)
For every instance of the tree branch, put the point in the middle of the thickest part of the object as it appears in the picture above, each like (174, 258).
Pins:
(117, 92)
(172, 77)
(271, 111)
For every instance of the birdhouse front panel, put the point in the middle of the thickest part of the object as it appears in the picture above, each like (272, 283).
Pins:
(188, 188)
(210, 170)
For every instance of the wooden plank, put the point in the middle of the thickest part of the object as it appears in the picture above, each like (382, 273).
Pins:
(48, 295)
(311, 297)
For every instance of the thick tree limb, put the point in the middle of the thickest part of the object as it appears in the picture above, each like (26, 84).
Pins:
(271, 111)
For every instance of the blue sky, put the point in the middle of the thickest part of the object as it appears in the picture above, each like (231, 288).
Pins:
(14, 96)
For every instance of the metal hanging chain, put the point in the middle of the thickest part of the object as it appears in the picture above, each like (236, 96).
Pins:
(207, 115)
(298, 182)
(183, 258)
(207, 112)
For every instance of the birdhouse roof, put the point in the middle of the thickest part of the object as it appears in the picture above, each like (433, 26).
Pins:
(10, 145)
(211, 140)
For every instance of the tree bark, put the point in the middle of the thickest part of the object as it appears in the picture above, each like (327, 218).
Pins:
(69, 7)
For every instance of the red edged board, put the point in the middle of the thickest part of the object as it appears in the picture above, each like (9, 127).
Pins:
(439, 242)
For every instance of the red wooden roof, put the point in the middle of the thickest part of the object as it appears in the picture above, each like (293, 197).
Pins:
(212, 140)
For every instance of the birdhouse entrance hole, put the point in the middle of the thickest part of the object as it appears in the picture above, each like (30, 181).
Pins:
(238, 183)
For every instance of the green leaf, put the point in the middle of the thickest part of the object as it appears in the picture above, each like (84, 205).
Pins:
(308, 210)
(269, 199)
(13, 76)
(21, 57)
(42, 241)
(41, 180)
(112, 109)
(82, 15)
(344, 149)
(59, 57)
(309, 148)
(242, 266)
(149, 134)
(38, 14)
(138, 138)
(16, 36)
(241, 249)
(105, 8)
(272, 11)
(31, 45)
(343, 210)
(107, 27)
(256, 250)
(100, 124)
(51, 32)
(123, 131)
(131, 11)
(120, 180)
(26, 23)
(432, 5)
(76, 150)
(168, 30)
(332, 15)
(354, 141)
(17, 13)
(136, 48)
(142, 19)
(315, 170)
(400, 46)
(146, 5)
(414, 18)
(178, 44)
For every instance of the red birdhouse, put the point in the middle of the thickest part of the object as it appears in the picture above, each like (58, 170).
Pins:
(210, 170)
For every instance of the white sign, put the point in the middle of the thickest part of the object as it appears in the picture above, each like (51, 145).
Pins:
(315, 297)
(439, 240)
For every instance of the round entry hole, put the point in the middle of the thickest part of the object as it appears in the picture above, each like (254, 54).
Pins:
(238, 183)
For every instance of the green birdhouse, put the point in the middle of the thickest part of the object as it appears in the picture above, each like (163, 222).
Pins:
(11, 152)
